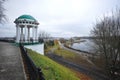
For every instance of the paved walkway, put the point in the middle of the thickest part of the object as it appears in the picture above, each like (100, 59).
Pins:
(11, 67)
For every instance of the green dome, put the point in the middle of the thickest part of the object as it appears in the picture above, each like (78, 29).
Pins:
(27, 17)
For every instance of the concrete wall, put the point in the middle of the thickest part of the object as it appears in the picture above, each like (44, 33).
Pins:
(37, 47)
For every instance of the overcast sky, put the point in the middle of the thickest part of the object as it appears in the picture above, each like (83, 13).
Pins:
(60, 18)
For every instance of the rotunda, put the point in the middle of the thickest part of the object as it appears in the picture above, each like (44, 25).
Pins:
(24, 24)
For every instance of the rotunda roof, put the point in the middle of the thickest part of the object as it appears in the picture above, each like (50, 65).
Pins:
(27, 17)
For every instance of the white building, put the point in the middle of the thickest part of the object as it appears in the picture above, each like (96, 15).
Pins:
(23, 25)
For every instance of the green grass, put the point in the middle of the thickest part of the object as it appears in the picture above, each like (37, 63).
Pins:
(71, 56)
(61, 52)
(65, 53)
(68, 55)
(51, 69)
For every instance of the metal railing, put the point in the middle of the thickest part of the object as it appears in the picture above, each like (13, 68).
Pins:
(33, 72)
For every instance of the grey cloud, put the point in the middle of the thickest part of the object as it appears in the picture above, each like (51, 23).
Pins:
(59, 17)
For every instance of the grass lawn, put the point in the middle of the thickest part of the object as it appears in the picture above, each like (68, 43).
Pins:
(71, 56)
(65, 53)
(51, 69)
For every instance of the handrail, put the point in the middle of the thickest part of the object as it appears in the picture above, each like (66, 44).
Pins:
(34, 73)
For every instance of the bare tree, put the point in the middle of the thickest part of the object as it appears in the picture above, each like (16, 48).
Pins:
(44, 35)
(2, 15)
(107, 42)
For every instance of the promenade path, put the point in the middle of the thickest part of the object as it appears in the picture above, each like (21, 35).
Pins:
(11, 66)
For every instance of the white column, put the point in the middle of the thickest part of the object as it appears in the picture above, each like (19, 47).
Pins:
(21, 34)
(33, 34)
(26, 33)
(17, 33)
(36, 34)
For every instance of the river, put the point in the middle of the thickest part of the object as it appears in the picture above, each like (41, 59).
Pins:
(84, 46)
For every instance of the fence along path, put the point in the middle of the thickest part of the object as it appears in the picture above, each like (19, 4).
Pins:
(33, 72)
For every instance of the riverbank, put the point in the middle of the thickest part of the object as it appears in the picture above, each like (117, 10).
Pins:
(60, 53)
(77, 49)
(70, 56)
(76, 62)
(85, 53)
(94, 58)
(83, 71)
(51, 69)
(86, 50)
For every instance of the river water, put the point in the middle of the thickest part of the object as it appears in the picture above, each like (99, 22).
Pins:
(84, 46)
